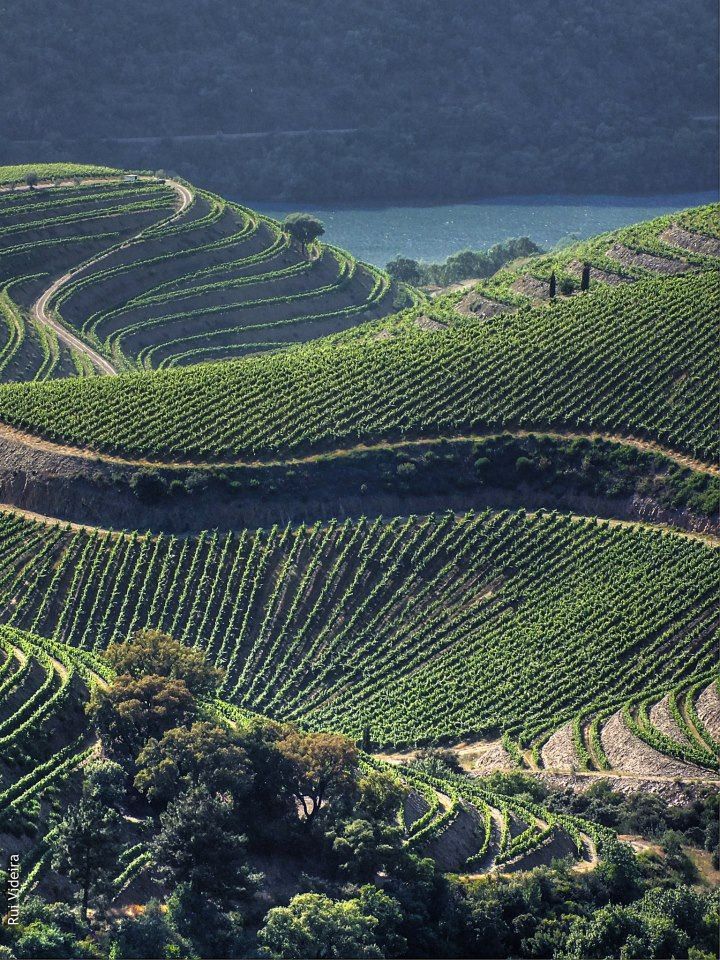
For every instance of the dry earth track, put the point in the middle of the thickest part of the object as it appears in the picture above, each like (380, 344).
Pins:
(40, 308)
(37, 442)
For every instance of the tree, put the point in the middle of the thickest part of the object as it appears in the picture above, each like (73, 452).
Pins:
(314, 926)
(303, 228)
(38, 940)
(553, 285)
(585, 280)
(104, 782)
(130, 711)
(619, 871)
(323, 764)
(31, 179)
(148, 934)
(197, 844)
(405, 270)
(273, 773)
(211, 931)
(204, 754)
(362, 847)
(151, 651)
(85, 847)
(47, 931)
(386, 909)
(617, 931)
(381, 796)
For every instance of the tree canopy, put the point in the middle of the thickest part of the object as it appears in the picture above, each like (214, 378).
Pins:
(153, 652)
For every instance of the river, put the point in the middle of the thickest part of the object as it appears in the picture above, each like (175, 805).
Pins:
(376, 234)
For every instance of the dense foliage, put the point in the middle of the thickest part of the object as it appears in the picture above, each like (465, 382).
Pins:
(464, 265)
(634, 359)
(437, 100)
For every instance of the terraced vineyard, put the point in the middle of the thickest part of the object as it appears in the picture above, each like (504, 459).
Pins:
(155, 273)
(685, 242)
(422, 628)
(43, 734)
(45, 740)
(631, 360)
(568, 646)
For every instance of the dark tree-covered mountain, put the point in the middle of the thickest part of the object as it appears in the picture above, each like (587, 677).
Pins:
(376, 99)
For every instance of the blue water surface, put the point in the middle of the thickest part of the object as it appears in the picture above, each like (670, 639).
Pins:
(376, 234)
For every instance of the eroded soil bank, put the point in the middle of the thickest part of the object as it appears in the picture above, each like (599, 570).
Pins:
(503, 472)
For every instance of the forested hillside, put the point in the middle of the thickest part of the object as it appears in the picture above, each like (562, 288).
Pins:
(383, 100)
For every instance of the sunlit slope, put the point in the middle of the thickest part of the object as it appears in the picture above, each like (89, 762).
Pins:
(632, 360)
(676, 243)
(422, 628)
(154, 272)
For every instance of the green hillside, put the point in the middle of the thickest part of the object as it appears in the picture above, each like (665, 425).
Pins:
(453, 691)
(684, 242)
(423, 628)
(151, 272)
(634, 360)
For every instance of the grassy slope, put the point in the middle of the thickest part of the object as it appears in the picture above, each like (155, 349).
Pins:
(645, 237)
(18, 172)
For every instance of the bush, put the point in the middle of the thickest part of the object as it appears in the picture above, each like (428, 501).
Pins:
(148, 486)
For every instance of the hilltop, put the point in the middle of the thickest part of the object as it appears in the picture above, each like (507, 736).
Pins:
(104, 270)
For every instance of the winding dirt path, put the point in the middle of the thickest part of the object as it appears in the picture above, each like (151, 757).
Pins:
(37, 442)
(41, 313)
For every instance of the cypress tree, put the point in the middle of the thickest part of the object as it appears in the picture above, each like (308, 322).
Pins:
(553, 285)
(585, 281)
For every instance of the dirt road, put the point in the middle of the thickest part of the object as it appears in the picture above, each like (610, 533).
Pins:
(40, 309)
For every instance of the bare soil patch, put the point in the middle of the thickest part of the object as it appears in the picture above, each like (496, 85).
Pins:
(531, 287)
(647, 261)
(458, 842)
(661, 718)
(558, 846)
(415, 806)
(426, 323)
(708, 709)
(475, 305)
(689, 240)
(559, 752)
(628, 753)
(597, 275)
(483, 756)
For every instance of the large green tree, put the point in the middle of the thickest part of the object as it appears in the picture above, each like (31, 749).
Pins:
(154, 652)
(322, 765)
(197, 844)
(85, 846)
(204, 754)
(130, 711)
(405, 270)
(314, 926)
(303, 228)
